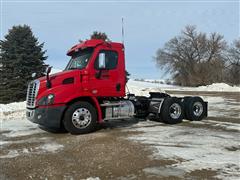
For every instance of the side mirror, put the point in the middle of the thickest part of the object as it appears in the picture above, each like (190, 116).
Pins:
(101, 61)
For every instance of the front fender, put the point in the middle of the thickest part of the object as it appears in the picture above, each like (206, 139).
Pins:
(70, 92)
(92, 99)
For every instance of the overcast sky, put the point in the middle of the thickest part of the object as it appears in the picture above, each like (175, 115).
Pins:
(148, 25)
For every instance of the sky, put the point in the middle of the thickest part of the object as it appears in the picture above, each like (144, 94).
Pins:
(148, 25)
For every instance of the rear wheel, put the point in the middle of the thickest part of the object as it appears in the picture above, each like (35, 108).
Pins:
(80, 118)
(194, 108)
(172, 110)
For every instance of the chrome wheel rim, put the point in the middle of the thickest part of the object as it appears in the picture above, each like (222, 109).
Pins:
(175, 111)
(81, 118)
(197, 108)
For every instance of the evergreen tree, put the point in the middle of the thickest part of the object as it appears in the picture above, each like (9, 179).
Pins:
(20, 55)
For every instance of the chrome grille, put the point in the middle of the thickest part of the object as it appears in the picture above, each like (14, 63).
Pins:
(32, 93)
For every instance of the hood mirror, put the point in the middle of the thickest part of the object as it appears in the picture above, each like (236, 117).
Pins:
(48, 70)
(48, 83)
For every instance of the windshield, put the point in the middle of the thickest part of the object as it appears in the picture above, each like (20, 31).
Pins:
(80, 59)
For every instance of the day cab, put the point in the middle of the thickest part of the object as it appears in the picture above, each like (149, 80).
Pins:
(91, 90)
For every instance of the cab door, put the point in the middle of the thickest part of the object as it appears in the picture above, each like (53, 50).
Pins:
(106, 78)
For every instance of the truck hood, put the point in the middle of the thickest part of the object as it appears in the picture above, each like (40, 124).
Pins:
(53, 76)
(58, 79)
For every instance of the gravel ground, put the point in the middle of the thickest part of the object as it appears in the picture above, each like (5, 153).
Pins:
(128, 149)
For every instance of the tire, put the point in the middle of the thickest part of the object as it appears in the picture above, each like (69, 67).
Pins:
(172, 110)
(195, 109)
(80, 118)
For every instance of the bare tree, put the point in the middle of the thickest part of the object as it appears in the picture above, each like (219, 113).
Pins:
(193, 58)
(233, 63)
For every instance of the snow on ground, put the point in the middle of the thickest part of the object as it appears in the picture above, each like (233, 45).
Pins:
(16, 106)
(13, 124)
(19, 127)
(208, 144)
(219, 87)
(50, 147)
(141, 87)
(222, 106)
(225, 125)
(215, 147)
(192, 148)
(93, 178)
(13, 120)
(22, 128)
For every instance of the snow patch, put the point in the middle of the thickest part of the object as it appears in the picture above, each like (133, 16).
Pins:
(11, 154)
(50, 147)
(14, 124)
(197, 148)
(217, 106)
(218, 87)
(45, 148)
(140, 86)
(12, 107)
(165, 172)
(18, 127)
(12, 110)
(4, 142)
(93, 178)
(143, 88)
(225, 125)
(13, 121)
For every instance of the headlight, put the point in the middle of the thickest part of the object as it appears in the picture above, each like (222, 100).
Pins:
(46, 100)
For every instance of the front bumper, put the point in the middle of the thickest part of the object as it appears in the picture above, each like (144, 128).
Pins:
(49, 116)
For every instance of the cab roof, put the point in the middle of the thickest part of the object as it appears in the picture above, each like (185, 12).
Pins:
(93, 43)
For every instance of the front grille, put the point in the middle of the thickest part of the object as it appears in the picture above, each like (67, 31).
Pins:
(32, 91)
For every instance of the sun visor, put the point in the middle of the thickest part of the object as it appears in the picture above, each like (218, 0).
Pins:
(83, 45)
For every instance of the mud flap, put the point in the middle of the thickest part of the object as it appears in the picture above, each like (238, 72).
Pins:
(206, 107)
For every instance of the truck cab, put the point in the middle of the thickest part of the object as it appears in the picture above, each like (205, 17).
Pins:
(91, 89)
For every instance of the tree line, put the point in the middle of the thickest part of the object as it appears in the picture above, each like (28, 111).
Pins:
(194, 58)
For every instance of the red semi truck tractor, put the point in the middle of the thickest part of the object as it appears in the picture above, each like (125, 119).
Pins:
(91, 90)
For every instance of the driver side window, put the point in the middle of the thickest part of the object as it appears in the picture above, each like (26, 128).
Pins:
(111, 59)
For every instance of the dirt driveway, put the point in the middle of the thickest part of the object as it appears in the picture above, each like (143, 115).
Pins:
(127, 149)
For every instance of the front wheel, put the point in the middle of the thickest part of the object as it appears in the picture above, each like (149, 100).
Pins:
(80, 118)
(172, 110)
